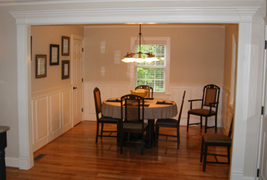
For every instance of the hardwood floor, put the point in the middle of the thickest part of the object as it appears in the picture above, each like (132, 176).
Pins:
(75, 155)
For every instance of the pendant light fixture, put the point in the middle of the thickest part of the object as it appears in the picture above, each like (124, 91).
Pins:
(139, 56)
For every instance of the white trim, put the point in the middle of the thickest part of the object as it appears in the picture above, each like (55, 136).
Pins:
(24, 97)
(12, 162)
(136, 15)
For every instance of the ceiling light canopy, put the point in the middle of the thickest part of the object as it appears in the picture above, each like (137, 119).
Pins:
(139, 56)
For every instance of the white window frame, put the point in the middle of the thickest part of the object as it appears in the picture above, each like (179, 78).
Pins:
(157, 41)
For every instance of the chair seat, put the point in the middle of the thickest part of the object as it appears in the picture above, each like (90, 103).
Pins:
(204, 112)
(134, 126)
(217, 138)
(108, 119)
(167, 122)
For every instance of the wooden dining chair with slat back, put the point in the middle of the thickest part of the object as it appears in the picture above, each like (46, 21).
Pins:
(101, 120)
(218, 140)
(170, 123)
(209, 106)
(132, 118)
(148, 88)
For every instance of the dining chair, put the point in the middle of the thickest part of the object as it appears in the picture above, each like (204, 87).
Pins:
(170, 123)
(132, 118)
(209, 106)
(102, 119)
(148, 88)
(218, 140)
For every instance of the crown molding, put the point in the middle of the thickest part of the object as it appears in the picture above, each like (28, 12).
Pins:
(53, 2)
(136, 15)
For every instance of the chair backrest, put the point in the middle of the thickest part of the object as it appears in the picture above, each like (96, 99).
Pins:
(211, 94)
(97, 97)
(132, 108)
(181, 108)
(148, 88)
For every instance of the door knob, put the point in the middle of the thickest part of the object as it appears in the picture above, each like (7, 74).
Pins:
(74, 87)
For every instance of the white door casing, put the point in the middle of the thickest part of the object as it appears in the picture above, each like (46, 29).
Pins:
(263, 132)
(76, 78)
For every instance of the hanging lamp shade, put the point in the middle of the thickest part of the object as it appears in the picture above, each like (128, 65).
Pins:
(139, 56)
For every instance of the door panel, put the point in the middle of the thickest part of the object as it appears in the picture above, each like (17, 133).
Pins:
(77, 79)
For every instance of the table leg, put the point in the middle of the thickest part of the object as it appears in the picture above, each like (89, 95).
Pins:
(150, 132)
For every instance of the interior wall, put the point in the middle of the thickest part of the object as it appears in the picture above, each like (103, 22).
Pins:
(197, 52)
(8, 81)
(42, 37)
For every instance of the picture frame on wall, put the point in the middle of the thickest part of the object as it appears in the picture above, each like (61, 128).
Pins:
(54, 54)
(40, 66)
(65, 44)
(65, 69)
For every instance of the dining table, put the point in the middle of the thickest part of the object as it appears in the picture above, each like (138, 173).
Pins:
(155, 108)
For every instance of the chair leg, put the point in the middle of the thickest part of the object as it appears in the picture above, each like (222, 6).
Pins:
(178, 137)
(156, 136)
(121, 141)
(228, 154)
(142, 147)
(201, 122)
(118, 133)
(201, 152)
(188, 116)
(215, 123)
(102, 124)
(206, 124)
(205, 157)
(97, 129)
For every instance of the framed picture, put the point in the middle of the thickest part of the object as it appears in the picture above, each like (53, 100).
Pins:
(54, 54)
(65, 69)
(40, 66)
(65, 44)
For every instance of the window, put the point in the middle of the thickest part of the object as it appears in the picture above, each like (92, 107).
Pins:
(152, 73)
(155, 74)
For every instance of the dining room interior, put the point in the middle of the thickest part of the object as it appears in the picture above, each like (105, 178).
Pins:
(195, 55)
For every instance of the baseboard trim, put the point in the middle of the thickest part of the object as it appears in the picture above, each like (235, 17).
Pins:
(12, 162)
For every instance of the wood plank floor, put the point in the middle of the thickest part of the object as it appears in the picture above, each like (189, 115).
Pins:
(75, 155)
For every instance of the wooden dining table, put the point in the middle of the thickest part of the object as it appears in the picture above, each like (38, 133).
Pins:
(155, 108)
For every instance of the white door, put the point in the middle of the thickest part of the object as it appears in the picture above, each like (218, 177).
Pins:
(263, 154)
(77, 78)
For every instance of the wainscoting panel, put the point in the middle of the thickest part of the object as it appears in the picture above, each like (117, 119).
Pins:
(41, 113)
(51, 114)
(227, 111)
(40, 121)
(66, 110)
(55, 116)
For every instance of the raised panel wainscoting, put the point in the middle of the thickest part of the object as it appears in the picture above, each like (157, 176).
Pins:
(52, 109)
(51, 114)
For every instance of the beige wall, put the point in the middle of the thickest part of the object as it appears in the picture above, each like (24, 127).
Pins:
(42, 37)
(197, 52)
